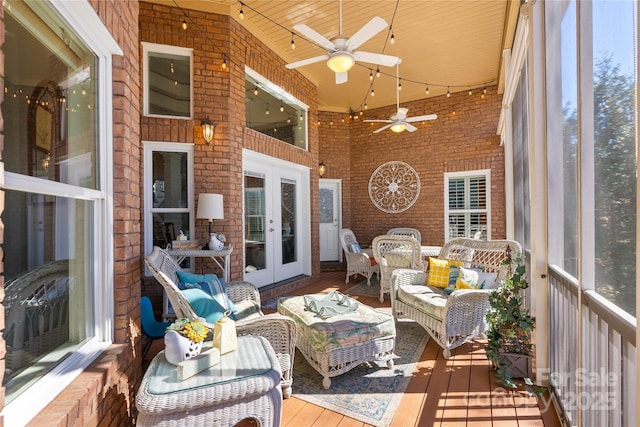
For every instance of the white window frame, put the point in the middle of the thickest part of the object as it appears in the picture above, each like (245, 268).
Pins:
(172, 147)
(170, 50)
(82, 18)
(486, 173)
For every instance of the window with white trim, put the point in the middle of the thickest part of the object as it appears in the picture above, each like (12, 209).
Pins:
(168, 193)
(467, 204)
(57, 188)
(167, 81)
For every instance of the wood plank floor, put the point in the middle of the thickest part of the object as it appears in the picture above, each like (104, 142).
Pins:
(461, 391)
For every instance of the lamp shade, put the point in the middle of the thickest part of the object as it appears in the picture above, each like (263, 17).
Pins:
(210, 206)
(340, 62)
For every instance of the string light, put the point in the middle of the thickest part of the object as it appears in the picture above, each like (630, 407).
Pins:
(255, 91)
(448, 93)
(399, 84)
(371, 75)
(266, 112)
(224, 63)
(241, 11)
(373, 92)
(293, 44)
(184, 24)
(378, 72)
(281, 108)
(453, 110)
(426, 91)
(470, 92)
(365, 106)
(393, 38)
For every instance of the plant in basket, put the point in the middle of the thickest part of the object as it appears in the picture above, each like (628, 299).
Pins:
(509, 346)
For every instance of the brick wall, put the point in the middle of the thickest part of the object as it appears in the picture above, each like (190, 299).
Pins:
(451, 143)
(220, 93)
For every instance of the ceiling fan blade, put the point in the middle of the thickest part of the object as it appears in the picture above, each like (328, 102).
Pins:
(370, 29)
(376, 58)
(315, 37)
(341, 78)
(307, 61)
(422, 118)
(410, 127)
(383, 128)
(377, 121)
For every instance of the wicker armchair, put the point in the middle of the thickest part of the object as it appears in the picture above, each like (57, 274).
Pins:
(279, 330)
(402, 231)
(357, 262)
(455, 319)
(393, 252)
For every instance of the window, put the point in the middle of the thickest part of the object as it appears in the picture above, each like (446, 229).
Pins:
(168, 193)
(57, 187)
(168, 81)
(520, 126)
(467, 201)
(272, 111)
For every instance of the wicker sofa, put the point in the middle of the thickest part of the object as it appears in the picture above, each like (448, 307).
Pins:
(456, 318)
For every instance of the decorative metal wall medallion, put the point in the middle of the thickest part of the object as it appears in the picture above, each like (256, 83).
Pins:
(394, 187)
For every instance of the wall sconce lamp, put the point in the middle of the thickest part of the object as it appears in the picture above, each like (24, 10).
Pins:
(322, 168)
(208, 129)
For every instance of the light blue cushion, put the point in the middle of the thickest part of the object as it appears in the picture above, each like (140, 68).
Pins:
(204, 305)
(355, 248)
(209, 283)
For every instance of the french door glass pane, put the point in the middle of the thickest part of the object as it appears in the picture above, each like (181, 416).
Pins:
(255, 209)
(614, 97)
(326, 206)
(288, 208)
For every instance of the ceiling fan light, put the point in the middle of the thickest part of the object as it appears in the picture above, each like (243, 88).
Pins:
(340, 62)
(398, 127)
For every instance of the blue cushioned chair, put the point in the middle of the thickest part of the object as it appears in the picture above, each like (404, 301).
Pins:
(151, 328)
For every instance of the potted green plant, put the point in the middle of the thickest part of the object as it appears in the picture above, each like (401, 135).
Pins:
(510, 324)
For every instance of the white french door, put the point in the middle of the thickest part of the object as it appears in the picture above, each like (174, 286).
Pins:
(276, 219)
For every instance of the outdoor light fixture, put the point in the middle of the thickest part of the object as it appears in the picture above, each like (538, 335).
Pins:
(340, 62)
(322, 168)
(208, 129)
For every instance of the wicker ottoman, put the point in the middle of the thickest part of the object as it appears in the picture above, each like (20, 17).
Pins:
(339, 343)
(245, 384)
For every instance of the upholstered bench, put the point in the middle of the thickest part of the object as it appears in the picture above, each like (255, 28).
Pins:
(451, 315)
(339, 343)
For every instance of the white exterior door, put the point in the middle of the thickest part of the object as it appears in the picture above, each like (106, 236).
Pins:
(276, 220)
(330, 215)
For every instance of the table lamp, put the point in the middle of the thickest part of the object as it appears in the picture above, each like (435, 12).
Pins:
(210, 207)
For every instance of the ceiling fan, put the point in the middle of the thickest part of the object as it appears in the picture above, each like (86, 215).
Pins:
(341, 54)
(399, 121)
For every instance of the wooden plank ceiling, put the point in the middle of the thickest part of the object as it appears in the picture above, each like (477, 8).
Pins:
(453, 45)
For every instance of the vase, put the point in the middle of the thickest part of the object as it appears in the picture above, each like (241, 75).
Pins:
(178, 348)
(214, 243)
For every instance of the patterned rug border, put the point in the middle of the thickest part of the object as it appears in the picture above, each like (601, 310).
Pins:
(362, 289)
(374, 408)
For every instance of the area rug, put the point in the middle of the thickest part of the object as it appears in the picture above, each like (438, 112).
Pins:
(369, 393)
(362, 289)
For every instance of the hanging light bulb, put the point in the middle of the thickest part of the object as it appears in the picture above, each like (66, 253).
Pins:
(171, 68)
(373, 92)
(281, 108)
(365, 106)
(255, 91)
(393, 38)
(301, 117)
(224, 63)
(184, 24)
(342, 119)
(378, 72)
(427, 90)
(293, 44)
(371, 75)
(484, 91)
(470, 92)
(266, 112)
(241, 11)
(448, 93)
(399, 84)
(453, 110)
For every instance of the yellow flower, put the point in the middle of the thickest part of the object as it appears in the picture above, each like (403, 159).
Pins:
(195, 330)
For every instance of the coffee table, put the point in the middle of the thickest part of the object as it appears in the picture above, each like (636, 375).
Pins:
(339, 343)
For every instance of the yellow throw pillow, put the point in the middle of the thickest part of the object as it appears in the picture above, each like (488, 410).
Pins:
(468, 278)
(438, 272)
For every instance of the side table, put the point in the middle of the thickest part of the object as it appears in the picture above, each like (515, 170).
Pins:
(245, 384)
